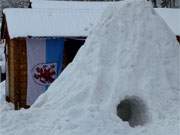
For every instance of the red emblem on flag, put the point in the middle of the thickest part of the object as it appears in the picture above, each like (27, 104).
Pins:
(45, 74)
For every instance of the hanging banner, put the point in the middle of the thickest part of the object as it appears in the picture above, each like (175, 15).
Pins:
(45, 58)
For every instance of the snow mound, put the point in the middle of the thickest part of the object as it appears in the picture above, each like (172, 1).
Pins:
(4, 106)
(2, 92)
(124, 80)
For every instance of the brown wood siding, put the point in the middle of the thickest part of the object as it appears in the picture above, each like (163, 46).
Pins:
(17, 68)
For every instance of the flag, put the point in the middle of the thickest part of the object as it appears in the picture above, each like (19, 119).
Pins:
(44, 62)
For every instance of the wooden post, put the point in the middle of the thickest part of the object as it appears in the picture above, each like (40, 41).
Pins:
(17, 72)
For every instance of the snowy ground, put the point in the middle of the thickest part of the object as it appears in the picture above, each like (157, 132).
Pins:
(4, 106)
(2, 94)
(132, 55)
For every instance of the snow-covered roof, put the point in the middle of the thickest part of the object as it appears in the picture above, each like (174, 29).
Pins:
(67, 21)
(171, 17)
(86, 5)
(50, 22)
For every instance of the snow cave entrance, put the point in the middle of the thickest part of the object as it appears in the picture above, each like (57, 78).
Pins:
(132, 110)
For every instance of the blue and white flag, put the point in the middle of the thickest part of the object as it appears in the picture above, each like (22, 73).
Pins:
(44, 60)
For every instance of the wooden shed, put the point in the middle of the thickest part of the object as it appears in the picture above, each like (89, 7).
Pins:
(39, 45)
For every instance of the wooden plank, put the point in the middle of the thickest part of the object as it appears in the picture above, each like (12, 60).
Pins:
(17, 63)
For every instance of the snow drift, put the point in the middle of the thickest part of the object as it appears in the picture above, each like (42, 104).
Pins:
(4, 106)
(124, 80)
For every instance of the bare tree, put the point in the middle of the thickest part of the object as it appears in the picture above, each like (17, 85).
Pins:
(168, 3)
(13, 4)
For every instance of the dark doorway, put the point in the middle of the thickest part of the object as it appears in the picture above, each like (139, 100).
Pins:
(3, 76)
(71, 47)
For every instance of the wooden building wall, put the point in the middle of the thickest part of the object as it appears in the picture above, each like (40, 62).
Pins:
(17, 72)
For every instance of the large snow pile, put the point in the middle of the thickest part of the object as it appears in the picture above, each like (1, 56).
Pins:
(131, 58)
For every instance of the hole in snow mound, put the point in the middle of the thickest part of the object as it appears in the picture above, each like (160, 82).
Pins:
(133, 110)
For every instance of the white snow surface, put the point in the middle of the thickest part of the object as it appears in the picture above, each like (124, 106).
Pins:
(131, 53)
(83, 5)
(50, 22)
(4, 106)
(68, 19)
(2, 92)
(172, 17)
